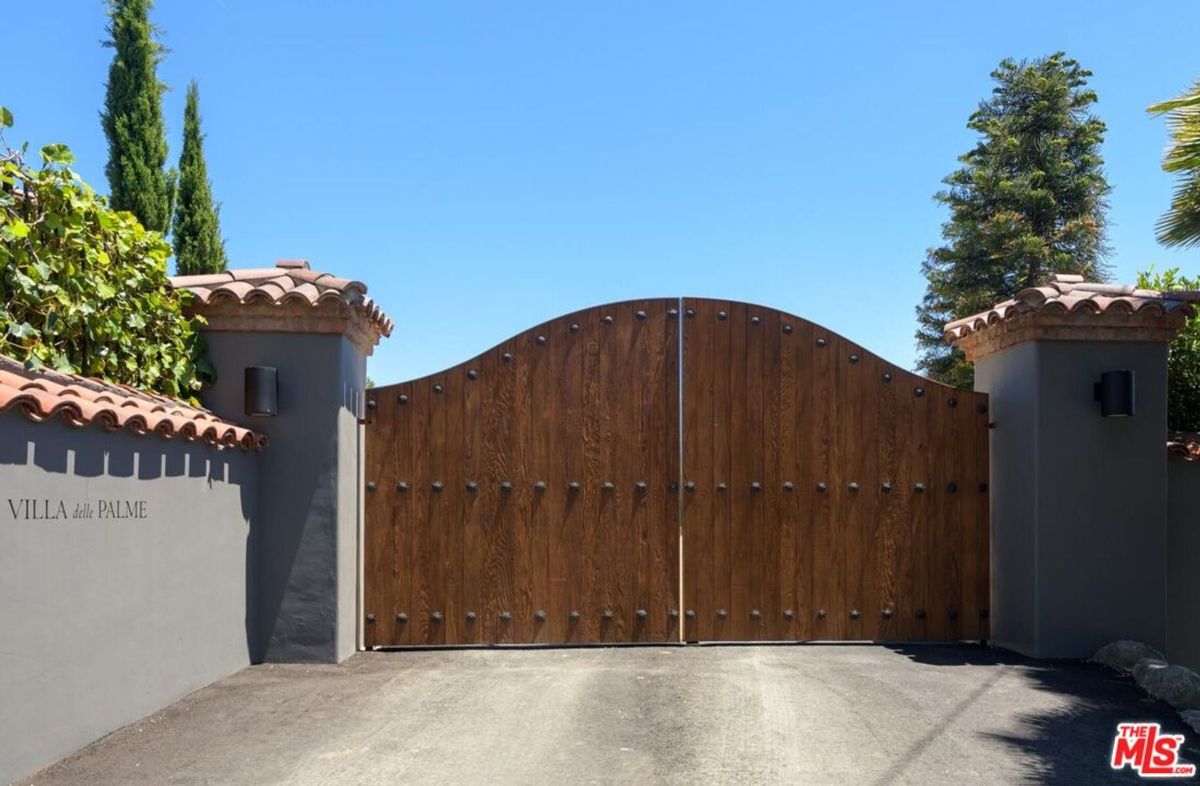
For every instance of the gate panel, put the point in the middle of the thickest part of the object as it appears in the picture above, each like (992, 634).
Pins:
(472, 507)
(828, 494)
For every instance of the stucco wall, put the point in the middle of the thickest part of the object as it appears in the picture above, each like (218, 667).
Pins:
(305, 553)
(1079, 536)
(1183, 563)
(123, 580)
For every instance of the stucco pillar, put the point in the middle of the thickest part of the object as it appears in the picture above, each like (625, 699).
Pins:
(316, 330)
(1078, 500)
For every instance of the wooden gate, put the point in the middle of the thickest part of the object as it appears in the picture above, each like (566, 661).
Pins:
(552, 489)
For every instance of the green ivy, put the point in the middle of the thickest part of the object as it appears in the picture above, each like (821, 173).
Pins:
(1183, 362)
(84, 288)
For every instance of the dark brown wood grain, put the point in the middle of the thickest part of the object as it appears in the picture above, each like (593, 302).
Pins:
(823, 493)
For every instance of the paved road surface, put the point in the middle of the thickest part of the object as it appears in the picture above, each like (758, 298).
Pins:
(861, 714)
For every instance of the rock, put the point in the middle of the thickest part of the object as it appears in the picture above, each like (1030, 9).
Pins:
(1145, 666)
(1191, 718)
(1123, 655)
(1175, 685)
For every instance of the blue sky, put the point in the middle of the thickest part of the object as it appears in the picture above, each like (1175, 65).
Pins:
(486, 166)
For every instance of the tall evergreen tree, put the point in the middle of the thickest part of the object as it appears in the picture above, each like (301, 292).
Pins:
(133, 119)
(1029, 200)
(196, 232)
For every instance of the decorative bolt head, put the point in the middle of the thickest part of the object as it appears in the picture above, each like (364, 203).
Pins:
(470, 617)
(722, 613)
(608, 320)
(952, 614)
(853, 486)
(821, 342)
(887, 376)
(573, 616)
(673, 614)
(507, 356)
(981, 409)
(402, 398)
(789, 486)
(822, 614)
(689, 486)
(505, 616)
(370, 619)
(853, 358)
(574, 486)
(607, 615)
(722, 486)
(607, 486)
(539, 615)
(641, 485)
(642, 614)
(371, 486)
(371, 404)
(983, 614)
(574, 327)
(920, 614)
(886, 487)
(888, 612)
(690, 614)
(918, 392)
(691, 312)
(506, 486)
(539, 486)
(437, 485)
(721, 315)
(952, 402)
(788, 614)
(402, 618)
(755, 321)
(402, 486)
(983, 487)
(472, 486)
(756, 486)
(821, 486)
(640, 314)
(787, 328)
(436, 616)
(438, 389)
(855, 614)
(951, 488)
(755, 614)
(672, 313)
(472, 374)
(919, 488)
(541, 340)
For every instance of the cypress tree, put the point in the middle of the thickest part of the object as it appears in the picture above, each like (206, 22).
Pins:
(132, 118)
(1029, 200)
(196, 232)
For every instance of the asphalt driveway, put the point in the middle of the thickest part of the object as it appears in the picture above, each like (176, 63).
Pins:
(724, 714)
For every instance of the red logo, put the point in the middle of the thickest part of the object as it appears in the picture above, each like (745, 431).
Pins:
(1149, 752)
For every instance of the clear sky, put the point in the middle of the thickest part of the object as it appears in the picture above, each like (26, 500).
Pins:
(484, 166)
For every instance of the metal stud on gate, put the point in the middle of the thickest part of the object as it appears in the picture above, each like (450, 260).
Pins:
(402, 398)
(472, 374)
(506, 486)
(952, 402)
(672, 313)
(821, 487)
(640, 314)
(951, 488)
(371, 486)
(886, 488)
(402, 486)
(691, 312)
(541, 340)
(722, 486)
(436, 616)
(470, 617)
(539, 615)
(371, 404)
(607, 486)
(574, 327)
(821, 342)
(507, 356)
(919, 488)
(853, 358)
(788, 614)
(918, 392)
(690, 614)
(755, 614)
(642, 614)
(756, 486)
(437, 485)
(402, 618)
(822, 614)
(722, 613)
(689, 486)
(981, 409)
(888, 612)
(370, 619)
(574, 616)
(920, 614)
(673, 614)
(852, 486)
(887, 376)
(983, 487)
(505, 616)
(855, 614)
(789, 486)
(438, 389)
(722, 316)
(574, 486)
(952, 614)
(607, 615)
(787, 328)
(539, 486)
(755, 321)
(641, 485)
(608, 320)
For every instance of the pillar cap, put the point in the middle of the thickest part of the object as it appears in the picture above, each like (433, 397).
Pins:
(1071, 309)
(287, 298)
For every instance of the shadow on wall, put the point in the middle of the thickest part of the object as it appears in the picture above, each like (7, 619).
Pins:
(1069, 744)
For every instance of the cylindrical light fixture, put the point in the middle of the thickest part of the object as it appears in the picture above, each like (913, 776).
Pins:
(262, 391)
(1115, 391)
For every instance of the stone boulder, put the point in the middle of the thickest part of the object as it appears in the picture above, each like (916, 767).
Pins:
(1176, 685)
(1191, 718)
(1123, 655)
(1145, 666)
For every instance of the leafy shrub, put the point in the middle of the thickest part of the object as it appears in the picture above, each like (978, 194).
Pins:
(84, 288)
(1183, 364)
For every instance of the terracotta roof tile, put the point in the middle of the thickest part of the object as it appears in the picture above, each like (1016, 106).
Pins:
(79, 401)
(290, 281)
(1070, 294)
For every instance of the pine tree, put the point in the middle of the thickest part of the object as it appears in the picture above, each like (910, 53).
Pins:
(1029, 200)
(196, 232)
(133, 119)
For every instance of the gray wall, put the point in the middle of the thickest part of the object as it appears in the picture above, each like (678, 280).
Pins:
(305, 552)
(108, 619)
(1183, 562)
(1079, 537)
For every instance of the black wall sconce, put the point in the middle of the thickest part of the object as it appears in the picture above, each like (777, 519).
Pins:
(262, 391)
(1114, 391)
